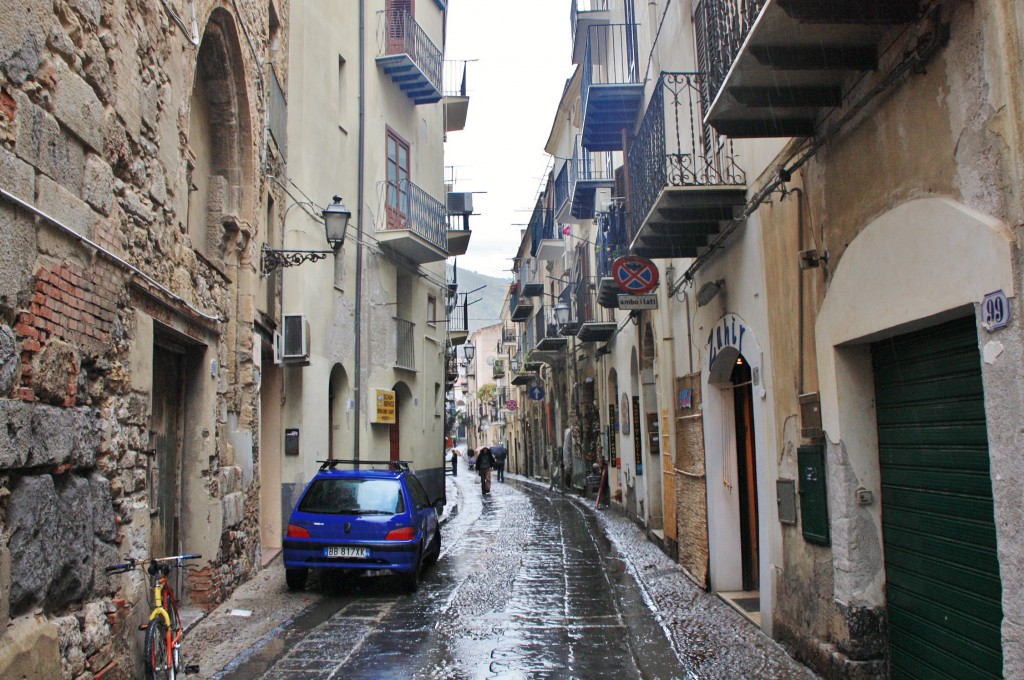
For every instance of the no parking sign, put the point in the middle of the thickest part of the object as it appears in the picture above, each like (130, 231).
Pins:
(635, 275)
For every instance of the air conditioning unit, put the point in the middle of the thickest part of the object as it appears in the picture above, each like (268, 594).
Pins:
(460, 203)
(294, 346)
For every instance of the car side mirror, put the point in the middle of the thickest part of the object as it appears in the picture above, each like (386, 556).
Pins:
(439, 505)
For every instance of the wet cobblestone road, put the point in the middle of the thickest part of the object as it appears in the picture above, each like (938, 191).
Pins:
(527, 587)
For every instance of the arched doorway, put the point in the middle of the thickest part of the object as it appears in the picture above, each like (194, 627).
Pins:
(338, 428)
(652, 430)
(737, 469)
(635, 491)
(614, 453)
(746, 472)
(403, 413)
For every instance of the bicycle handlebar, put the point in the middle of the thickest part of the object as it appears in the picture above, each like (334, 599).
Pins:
(132, 563)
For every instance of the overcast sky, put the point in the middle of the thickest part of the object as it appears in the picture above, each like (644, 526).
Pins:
(522, 60)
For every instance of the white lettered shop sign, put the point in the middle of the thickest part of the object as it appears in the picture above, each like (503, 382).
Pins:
(728, 332)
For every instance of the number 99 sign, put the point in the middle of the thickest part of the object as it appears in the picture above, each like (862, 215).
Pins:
(995, 311)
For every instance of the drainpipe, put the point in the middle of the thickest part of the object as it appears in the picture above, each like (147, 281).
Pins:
(357, 363)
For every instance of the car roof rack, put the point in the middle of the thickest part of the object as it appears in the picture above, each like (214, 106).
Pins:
(397, 465)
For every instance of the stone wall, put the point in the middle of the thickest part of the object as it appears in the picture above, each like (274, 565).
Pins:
(94, 124)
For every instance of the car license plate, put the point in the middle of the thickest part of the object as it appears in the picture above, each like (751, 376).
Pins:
(338, 551)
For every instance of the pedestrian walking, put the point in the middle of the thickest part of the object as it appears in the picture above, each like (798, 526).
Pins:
(484, 463)
(471, 458)
(453, 459)
(500, 453)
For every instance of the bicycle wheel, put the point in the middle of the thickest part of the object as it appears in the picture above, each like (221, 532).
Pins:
(158, 665)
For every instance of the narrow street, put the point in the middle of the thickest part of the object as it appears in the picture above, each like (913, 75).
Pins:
(529, 585)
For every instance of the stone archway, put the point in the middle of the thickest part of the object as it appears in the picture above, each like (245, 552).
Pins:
(221, 166)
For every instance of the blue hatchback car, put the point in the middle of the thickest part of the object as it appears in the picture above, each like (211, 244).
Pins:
(374, 518)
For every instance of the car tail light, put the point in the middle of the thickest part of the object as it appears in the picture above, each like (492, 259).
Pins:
(403, 534)
(295, 531)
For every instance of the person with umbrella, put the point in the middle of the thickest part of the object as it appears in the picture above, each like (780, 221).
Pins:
(500, 454)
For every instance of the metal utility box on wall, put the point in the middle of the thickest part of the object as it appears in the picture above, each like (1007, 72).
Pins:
(813, 494)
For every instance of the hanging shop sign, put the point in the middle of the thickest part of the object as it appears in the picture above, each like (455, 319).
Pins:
(638, 301)
(385, 407)
(535, 392)
(638, 443)
(635, 275)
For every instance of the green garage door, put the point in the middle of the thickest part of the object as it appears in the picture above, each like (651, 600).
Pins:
(942, 573)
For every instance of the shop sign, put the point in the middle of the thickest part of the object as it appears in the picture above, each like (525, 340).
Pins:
(728, 333)
(638, 301)
(385, 411)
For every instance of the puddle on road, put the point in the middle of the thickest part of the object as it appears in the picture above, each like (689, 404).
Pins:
(275, 644)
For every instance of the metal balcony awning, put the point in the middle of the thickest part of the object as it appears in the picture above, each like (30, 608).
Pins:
(796, 61)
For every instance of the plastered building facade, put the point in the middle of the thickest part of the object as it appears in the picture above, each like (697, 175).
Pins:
(818, 412)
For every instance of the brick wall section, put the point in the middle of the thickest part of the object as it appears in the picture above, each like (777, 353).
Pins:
(204, 587)
(69, 304)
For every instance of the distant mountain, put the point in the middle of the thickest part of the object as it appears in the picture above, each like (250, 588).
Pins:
(486, 303)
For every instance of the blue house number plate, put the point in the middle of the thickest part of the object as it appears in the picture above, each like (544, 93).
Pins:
(995, 311)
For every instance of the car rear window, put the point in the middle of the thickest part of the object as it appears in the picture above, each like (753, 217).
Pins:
(353, 497)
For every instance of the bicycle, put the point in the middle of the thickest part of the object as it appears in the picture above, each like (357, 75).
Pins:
(164, 632)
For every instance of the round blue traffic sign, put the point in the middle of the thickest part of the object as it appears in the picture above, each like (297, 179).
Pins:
(635, 275)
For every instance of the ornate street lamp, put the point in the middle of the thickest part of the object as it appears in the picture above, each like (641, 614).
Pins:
(514, 364)
(336, 217)
(562, 312)
(469, 351)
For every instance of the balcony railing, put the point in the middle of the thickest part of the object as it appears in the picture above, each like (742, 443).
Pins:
(562, 194)
(612, 239)
(405, 344)
(458, 317)
(611, 91)
(588, 171)
(673, 148)
(542, 228)
(722, 26)
(407, 54)
(584, 6)
(456, 101)
(521, 307)
(410, 207)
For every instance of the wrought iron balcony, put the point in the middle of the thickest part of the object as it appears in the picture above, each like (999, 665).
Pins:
(547, 242)
(612, 243)
(583, 14)
(594, 324)
(459, 209)
(455, 101)
(405, 344)
(561, 185)
(415, 223)
(684, 178)
(546, 334)
(509, 336)
(407, 54)
(588, 172)
(611, 91)
(521, 306)
(498, 368)
(776, 66)
(531, 276)
(458, 322)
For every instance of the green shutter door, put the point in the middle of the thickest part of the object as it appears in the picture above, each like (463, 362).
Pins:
(942, 572)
